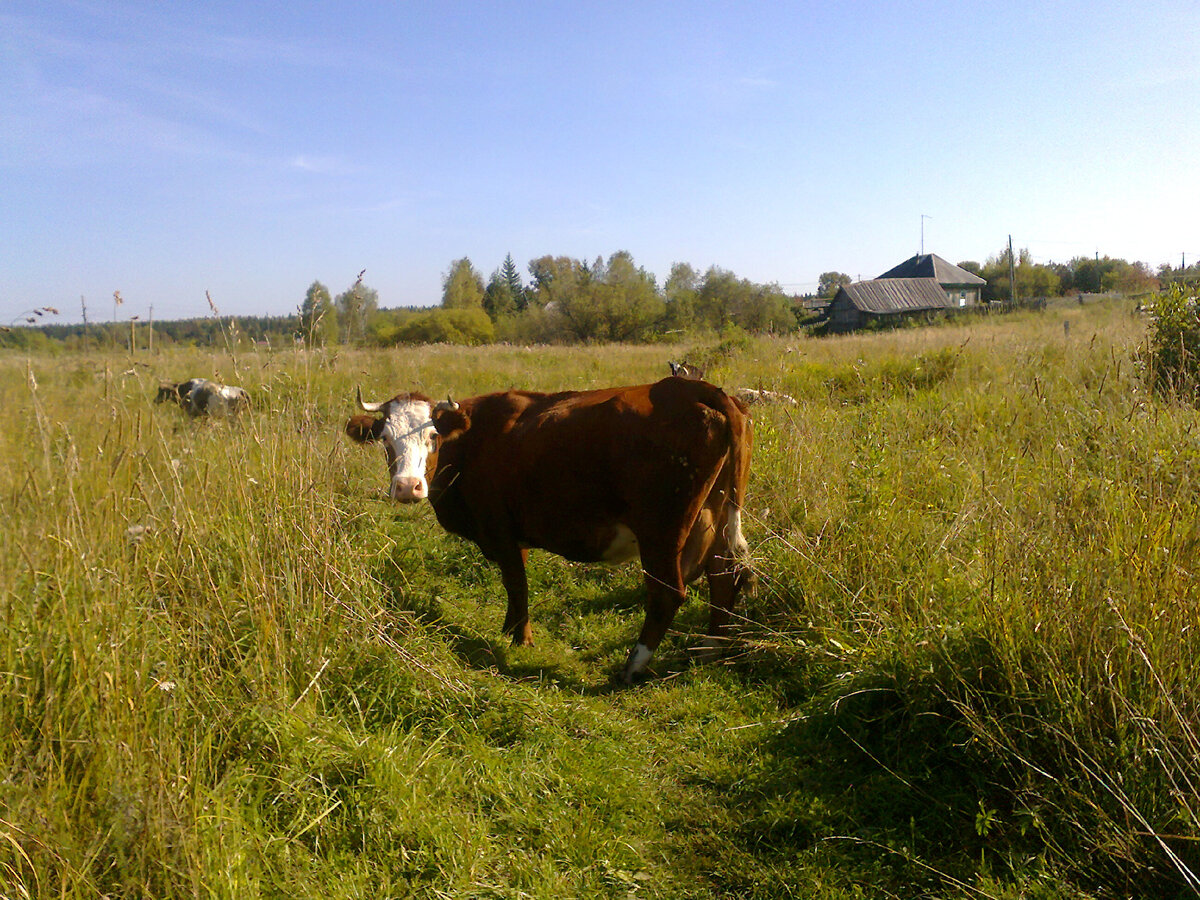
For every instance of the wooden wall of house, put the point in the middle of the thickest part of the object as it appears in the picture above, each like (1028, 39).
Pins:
(844, 315)
(955, 292)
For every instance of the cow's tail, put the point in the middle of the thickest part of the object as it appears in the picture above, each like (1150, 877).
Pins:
(737, 472)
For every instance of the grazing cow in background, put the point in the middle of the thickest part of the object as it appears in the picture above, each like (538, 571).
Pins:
(686, 370)
(758, 395)
(177, 393)
(746, 395)
(656, 471)
(200, 397)
(211, 399)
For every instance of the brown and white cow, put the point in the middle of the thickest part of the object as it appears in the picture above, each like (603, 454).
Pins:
(406, 430)
(656, 471)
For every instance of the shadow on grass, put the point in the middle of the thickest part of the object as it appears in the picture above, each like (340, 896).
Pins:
(585, 617)
(880, 765)
(550, 659)
(582, 632)
(855, 776)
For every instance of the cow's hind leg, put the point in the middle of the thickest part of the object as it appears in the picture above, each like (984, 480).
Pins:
(665, 593)
(726, 580)
(516, 585)
(728, 572)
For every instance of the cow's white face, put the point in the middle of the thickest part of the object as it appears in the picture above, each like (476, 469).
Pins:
(408, 438)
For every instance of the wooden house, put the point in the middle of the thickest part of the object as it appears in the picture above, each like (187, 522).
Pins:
(963, 289)
(885, 300)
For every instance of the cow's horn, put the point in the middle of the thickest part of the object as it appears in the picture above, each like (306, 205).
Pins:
(367, 407)
(448, 403)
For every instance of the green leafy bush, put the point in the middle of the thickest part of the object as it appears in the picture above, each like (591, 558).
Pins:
(446, 326)
(1171, 359)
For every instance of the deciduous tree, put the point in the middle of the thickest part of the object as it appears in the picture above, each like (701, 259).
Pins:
(829, 282)
(555, 277)
(462, 287)
(318, 319)
(355, 306)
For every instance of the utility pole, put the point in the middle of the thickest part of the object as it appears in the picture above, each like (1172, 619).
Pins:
(1012, 274)
(117, 301)
(150, 347)
(83, 306)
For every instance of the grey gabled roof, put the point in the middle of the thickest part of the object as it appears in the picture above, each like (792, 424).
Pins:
(893, 295)
(930, 265)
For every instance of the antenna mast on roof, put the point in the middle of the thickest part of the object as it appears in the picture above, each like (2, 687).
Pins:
(923, 218)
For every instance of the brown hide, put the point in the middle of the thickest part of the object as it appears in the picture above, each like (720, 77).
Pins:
(364, 429)
(587, 474)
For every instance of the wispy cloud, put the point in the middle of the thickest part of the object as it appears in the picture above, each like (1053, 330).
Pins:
(70, 126)
(757, 82)
(131, 86)
(1167, 76)
(318, 165)
(146, 39)
(369, 209)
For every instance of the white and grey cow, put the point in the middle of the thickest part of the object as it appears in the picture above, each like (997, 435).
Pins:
(201, 397)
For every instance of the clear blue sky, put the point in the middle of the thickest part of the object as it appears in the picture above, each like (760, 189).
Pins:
(247, 149)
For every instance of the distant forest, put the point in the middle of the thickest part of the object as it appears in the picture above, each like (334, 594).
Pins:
(564, 300)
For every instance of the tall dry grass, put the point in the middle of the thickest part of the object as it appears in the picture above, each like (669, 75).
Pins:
(231, 669)
(997, 528)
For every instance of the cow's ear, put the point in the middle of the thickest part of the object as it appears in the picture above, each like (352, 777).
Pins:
(364, 429)
(449, 420)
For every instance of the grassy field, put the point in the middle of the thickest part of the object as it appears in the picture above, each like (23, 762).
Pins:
(231, 668)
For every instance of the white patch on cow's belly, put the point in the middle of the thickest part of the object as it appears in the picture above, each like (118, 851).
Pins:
(622, 548)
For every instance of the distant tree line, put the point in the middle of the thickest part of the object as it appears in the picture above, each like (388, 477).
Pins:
(568, 300)
(233, 331)
(1080, 275)
(564, 300)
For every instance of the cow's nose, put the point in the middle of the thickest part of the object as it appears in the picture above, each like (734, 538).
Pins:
(408, 489)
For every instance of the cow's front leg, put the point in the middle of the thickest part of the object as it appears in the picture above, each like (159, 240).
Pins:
(516, 618)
